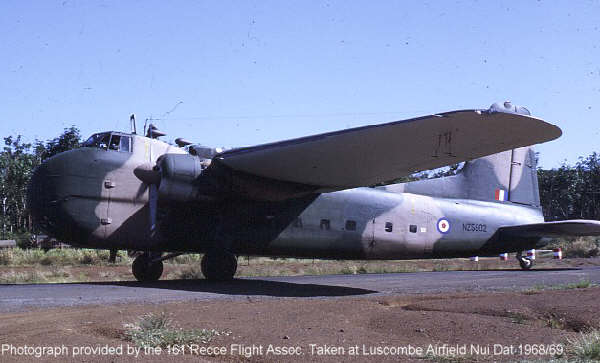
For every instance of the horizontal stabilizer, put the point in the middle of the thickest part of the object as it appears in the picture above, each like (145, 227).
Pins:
(374, 154)
(574, 227)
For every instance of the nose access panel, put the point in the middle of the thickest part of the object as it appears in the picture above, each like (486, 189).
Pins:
(67, 198)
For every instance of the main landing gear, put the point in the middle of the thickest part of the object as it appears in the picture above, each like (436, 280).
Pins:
(216, 265)
(526, 263)
(147, 267)
(219, 265)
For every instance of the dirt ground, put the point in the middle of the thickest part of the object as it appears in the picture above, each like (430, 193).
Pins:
(374, 328)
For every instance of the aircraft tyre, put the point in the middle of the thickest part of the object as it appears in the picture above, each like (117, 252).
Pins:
(526, 263)
(219, 265)
(145, 270)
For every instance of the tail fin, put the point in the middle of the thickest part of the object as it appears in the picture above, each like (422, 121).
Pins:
(507, 176)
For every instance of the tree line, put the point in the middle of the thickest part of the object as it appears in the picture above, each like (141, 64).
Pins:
(567, 192)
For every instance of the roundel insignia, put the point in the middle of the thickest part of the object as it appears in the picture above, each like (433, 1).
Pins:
(443, 226)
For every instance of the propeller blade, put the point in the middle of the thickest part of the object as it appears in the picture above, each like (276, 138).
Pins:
(153, 205)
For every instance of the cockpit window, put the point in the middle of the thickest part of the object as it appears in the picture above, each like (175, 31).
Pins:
(125, 144)
(115, 140)
(110, 141)
(97, 140)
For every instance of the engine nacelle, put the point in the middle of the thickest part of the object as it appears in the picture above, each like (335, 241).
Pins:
(178, 172)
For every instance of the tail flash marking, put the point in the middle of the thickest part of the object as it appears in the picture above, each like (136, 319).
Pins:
(500, 195)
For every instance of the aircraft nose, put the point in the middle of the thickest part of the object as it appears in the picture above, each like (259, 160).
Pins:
(42, 196)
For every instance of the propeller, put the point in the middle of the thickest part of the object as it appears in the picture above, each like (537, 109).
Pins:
(173, 178)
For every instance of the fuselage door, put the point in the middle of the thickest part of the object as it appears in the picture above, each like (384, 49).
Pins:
(120, 186)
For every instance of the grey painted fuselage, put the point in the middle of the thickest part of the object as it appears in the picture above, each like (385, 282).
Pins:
(383, 223)
(98, 198)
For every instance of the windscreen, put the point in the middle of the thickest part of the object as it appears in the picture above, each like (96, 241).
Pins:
(110, 141)
(99, 140)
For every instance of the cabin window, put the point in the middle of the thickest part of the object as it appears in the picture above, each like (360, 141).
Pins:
(298, 222)
(350, 225)
(389, 226)
(413, 228)
(325, 225)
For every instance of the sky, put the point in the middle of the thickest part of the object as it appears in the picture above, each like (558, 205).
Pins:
(241, 73)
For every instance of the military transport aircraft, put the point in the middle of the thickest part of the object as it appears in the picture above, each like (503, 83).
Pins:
(306, 197)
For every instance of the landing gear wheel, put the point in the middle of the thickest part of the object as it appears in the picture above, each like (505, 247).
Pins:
(219, 265)
(526, 263)
(145, 270)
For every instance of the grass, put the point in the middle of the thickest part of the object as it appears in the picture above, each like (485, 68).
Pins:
(518, 318)
(191, 272)
(555, 322)
(29, 277)
(188, 266)
(158, 330)
(353, 270)
(53, 275)
(578, 246)
(253, 266)
(192, 258)
(58, 257)
(582, 284)
(585, 347)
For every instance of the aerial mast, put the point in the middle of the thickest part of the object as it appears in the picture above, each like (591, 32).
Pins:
(132, 124)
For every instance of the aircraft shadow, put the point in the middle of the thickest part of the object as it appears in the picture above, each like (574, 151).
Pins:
(246, 287)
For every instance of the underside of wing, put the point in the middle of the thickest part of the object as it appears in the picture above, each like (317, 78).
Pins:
(575, 227)
(374, 154)
(527, 236)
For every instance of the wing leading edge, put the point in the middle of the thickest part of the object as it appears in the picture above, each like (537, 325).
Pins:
(378, 153)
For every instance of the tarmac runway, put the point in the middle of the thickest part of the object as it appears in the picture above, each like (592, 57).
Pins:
(35, 296)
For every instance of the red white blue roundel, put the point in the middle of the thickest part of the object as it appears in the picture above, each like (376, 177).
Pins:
(443, 226)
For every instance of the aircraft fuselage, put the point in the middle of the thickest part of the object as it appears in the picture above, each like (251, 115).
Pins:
(368, 223)
(97, 198)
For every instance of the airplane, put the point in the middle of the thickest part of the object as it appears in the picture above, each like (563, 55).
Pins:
(310, 197)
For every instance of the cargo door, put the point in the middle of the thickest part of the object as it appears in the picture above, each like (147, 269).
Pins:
(417, 227)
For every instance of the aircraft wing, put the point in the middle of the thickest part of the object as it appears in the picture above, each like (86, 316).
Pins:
(374, 154)
(574, 227)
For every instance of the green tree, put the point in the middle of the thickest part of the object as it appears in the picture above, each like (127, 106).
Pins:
(571, 192)
(69, 139)
(16, 165)
(557, 192)
(17, 161)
